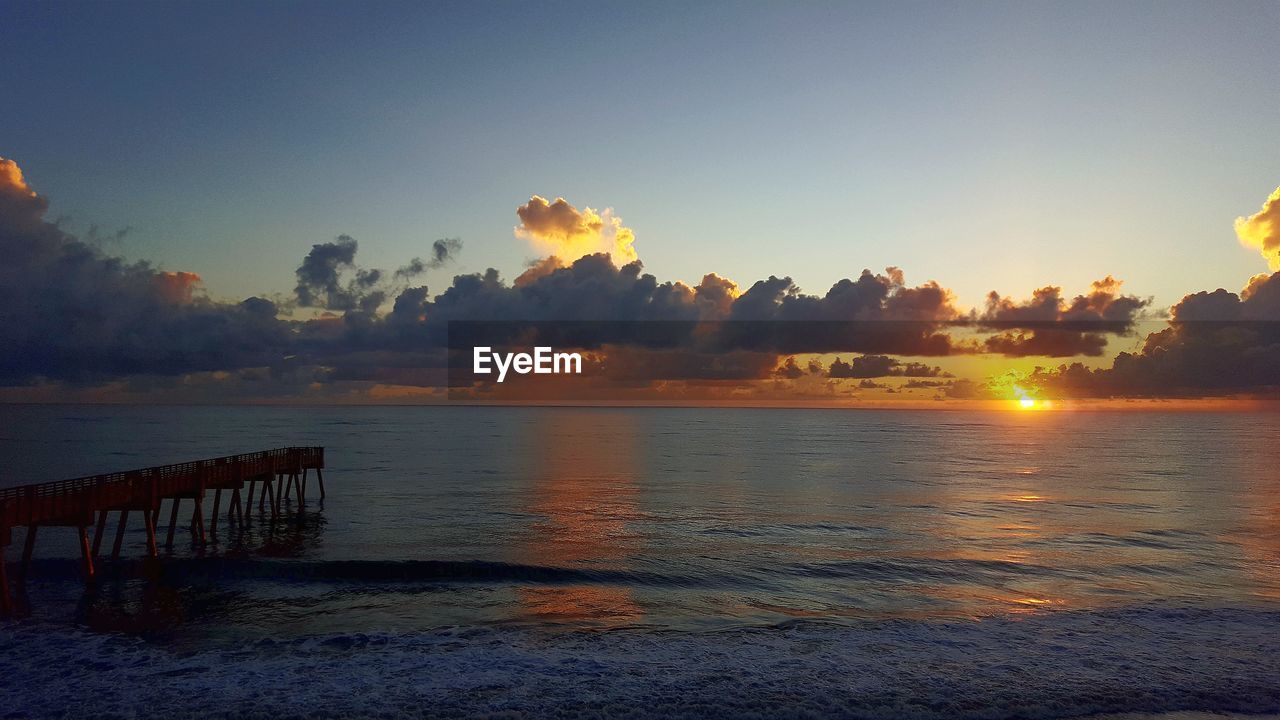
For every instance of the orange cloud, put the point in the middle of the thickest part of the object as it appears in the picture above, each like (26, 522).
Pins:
(11, 180)
(560, 229)
(176, 287)
(1262, 230)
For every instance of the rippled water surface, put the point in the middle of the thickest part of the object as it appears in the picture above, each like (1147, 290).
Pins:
(650, 522)
(684, 518)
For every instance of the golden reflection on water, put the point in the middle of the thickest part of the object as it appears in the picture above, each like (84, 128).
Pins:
(583, 495)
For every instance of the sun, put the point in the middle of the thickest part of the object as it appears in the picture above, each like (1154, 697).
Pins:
(1025, 401)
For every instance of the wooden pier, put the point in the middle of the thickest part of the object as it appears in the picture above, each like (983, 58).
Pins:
(85, 502)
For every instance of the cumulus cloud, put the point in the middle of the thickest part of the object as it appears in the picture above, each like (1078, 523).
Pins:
(177, 288)
(1048, 324)
(329, 277)
(562, 230)
(69, 312)
(878, 366)
(1261, 230)
(1217, 343)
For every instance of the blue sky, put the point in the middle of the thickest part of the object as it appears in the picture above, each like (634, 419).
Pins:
(986, 145)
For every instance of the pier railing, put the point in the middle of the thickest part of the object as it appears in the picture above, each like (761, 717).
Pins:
(54, 502)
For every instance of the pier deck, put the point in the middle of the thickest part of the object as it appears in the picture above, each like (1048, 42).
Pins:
(85, 502)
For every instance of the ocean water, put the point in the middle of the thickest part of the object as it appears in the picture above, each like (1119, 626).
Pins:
(671, 562)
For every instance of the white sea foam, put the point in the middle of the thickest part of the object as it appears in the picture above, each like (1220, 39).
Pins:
(1055, 664)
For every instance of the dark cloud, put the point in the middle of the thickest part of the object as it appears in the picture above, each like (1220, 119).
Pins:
(319, 275)
(876, 366)
(1047, 342)
(329, 278)
(443, 252)
(1216, 343)
(790, 370)
(70, 312)
(1049, 325)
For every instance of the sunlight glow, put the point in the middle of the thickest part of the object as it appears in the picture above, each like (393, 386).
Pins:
(1025, 401)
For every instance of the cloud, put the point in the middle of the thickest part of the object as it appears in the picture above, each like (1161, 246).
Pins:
(443, 252)
(560, 229)
(877, 366)
(177, 288)
(69, 312)
(789, 370)
(1103, 305)
(1261, 230)
(72, 313)
(329, 277)
(1217, 343)
(1048, 324)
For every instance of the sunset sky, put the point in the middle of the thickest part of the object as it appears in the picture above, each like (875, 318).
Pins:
(988, 147)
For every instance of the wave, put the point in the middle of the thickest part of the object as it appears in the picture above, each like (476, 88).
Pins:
(1051, 665)
(224, 569)
(221, 569)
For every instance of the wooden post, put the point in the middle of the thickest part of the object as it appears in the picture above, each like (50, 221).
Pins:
(278, 497)
(197, 522)
(86, 554)
(213, 519)
(320, 480)
(249, 501)
(267, 487)
(27, 547)
(150, 519)
(98, 532)
(234, 506)
(301, 480)
(173, 522)
(288, 484)
(115, 549)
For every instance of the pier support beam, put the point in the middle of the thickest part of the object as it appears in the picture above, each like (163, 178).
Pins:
(249, 499)
(234, 506)
(173, 523)
(98, 531)
(213, 519)
(86, 553)
(115, 547)
(150, 518)
(197, 521)
(320, 480)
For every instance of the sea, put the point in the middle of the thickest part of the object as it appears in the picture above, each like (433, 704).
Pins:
(515, 562)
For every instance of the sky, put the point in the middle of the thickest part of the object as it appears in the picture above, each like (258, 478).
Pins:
(989, 146)
(260, 201)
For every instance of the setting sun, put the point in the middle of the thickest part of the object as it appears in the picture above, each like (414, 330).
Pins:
(1025, 401)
